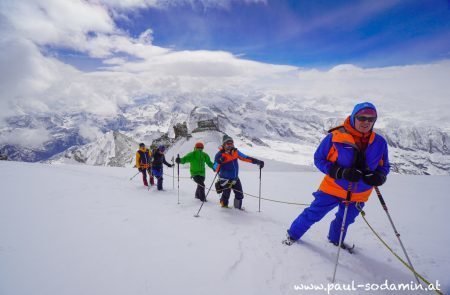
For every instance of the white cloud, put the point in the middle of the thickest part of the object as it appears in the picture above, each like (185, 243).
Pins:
(33, 82)
(399, 89)
(30, 138)
(54, 22)
(89, 132)
(133, 4)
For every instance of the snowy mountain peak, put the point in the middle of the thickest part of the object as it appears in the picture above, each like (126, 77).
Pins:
(112, 149)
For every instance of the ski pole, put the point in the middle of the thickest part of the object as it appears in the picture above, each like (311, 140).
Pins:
(178, 168)
(341, 236)
(259, 202)
(135, 175)
(173, 175)
(196, 215)
(397, 234)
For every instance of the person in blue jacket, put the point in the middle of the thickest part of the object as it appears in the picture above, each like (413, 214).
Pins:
(226, 164)
(352, 157)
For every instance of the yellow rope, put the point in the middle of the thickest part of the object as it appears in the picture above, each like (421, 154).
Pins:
(392, 251)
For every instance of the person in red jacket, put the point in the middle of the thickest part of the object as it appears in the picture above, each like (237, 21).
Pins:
(354, 157)
(144, 163)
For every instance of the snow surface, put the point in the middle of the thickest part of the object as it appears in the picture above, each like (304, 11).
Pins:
(90, 230)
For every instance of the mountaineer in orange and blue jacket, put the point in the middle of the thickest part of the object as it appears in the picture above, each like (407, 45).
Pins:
(226, 164)
(144, 163)
(353, 157)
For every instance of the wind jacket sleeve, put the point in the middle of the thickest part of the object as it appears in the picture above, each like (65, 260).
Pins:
(245, 158)
(208, 161)
(186, 159)
(166, 163)
(138, 160)
(321, 155)
(384, 166)
(216, 165)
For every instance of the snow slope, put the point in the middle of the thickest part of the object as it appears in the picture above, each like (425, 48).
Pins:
(90, 230)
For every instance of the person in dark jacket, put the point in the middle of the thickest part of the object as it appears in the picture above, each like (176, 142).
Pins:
(197, 160)
(353, 157)
(226, 164)
(144, 163)
(157, 165)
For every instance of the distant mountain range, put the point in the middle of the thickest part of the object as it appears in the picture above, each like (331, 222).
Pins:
(281, 129)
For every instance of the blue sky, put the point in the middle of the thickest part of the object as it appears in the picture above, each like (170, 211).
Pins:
(305, 33)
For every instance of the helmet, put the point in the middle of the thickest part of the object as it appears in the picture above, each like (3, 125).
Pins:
(199, 145)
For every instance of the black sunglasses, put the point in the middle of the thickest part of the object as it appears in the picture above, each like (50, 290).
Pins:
(364, 119)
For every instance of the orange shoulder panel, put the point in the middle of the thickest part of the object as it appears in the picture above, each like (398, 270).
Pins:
(229, 157)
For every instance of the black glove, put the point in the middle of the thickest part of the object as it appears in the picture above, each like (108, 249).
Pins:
(140, 169)
(178, 160)
(260, 163)
(220, 160)
(349, 174)
(374, 178)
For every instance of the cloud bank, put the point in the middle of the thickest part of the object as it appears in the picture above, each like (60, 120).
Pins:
(33, 80)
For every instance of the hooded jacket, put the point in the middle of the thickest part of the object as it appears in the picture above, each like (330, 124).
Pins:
(340, 147)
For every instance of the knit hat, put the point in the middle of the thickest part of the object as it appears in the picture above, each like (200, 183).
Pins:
(161, 148)
(226, 138)
(199, 145)
(141, 144)
(365, 108)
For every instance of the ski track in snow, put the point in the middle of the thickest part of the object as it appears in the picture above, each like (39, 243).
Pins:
(89, 230)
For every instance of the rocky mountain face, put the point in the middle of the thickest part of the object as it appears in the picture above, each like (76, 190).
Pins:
(280, 128)
(112, 149)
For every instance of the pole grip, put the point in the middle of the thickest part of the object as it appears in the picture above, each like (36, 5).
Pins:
(349, 192)
(380, 197)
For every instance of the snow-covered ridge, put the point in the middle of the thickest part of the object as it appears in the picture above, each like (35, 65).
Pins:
(286, 129)
(113, 149)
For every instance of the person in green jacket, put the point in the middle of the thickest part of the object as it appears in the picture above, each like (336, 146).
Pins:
(197, 158)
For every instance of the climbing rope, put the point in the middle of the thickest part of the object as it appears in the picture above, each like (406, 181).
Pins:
(250, 195)
(363, 215)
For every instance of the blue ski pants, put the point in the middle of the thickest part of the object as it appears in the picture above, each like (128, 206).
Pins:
(322, 204)
(158, 173)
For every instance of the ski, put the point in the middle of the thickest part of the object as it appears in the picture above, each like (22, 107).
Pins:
(349, 248)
